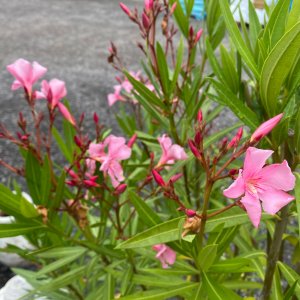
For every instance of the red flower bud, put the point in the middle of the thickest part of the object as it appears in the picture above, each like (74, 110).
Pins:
(77, 141)
(176, 177)
(198, 138)
(198, 35)
(233, 172)
(96, 118)
(159, 180)
(190, 213)
(194, 149)
(191, 31)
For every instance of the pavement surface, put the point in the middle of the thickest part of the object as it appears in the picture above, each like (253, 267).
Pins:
(71, 39)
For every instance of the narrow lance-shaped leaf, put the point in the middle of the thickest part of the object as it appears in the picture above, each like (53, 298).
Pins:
(276, 68)
(237, 38)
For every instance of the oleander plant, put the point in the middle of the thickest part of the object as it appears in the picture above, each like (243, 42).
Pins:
(177, 206)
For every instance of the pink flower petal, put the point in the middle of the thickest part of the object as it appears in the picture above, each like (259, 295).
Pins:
(16, 85)
(253, 208)
(273, 200)
(254, 161)
(58, 91)
(117, 148)
(21, 69)
(37, 71)
(176, 152)
(66, 114)
(278, 176)
(237, 188)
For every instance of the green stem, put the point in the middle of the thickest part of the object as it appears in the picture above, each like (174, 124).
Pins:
(274, 252)
(208, 188)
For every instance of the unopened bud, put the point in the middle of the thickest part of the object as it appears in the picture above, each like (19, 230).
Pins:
(132, 141)
(198, 35)
(199, 116)
(190, 213)
(173, 7)
(240, 133)
(233, 172)
(176, 177)
(96, 118)
(159, 180)
(77, 141)
(120, 189)
(146, 21)
(148, 4)
(191, 32)
(126, 10)
(232, 143)
(198, 138)
(194, 149)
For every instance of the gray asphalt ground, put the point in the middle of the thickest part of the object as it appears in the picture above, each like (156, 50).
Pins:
(70, 38)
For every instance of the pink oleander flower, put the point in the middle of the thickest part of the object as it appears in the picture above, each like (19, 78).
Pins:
(26, 74)
(171, 152)
(109, 153)
(265, 128)
(54, 91)
(148, 4)
(165, 254)
(267, 184)
(116, 96)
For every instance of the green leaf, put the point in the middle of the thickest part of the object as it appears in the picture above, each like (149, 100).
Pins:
(237, 38)
(291, 276)
(277, 67)
(62, 145)
(297, 196)
(59, 194)
(206, 257)
(152, 281)
(216, 291)
(162, 294)
(27, 209)
(179, 58)
(45, 181)
(109, 287)
(228, 98)
(145, 93)
(33, 177)
(254, 25)
(181, 19)
(60, 281)
(59, 252)
(230, 265)
(275, 27)
(290, 292)
(276, 286)
(163, 69)
(169, 231)
(15, 229)
(9, 202)
(294, 15)
(59, 263)
(229, 70)
(147, 215)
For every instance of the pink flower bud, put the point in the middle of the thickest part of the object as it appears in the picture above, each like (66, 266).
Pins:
(96, 118)
(159, 180)
(125, 9)
(232, 143)
(194, 149)
(176, 177)
(132, 141)
(199, 116)
(198, 35)
(190, 213)
(265, 128)
(173, 8)
(90, 183)
(148, 4)
(239, 133)
(146, 21)
(120, 189)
